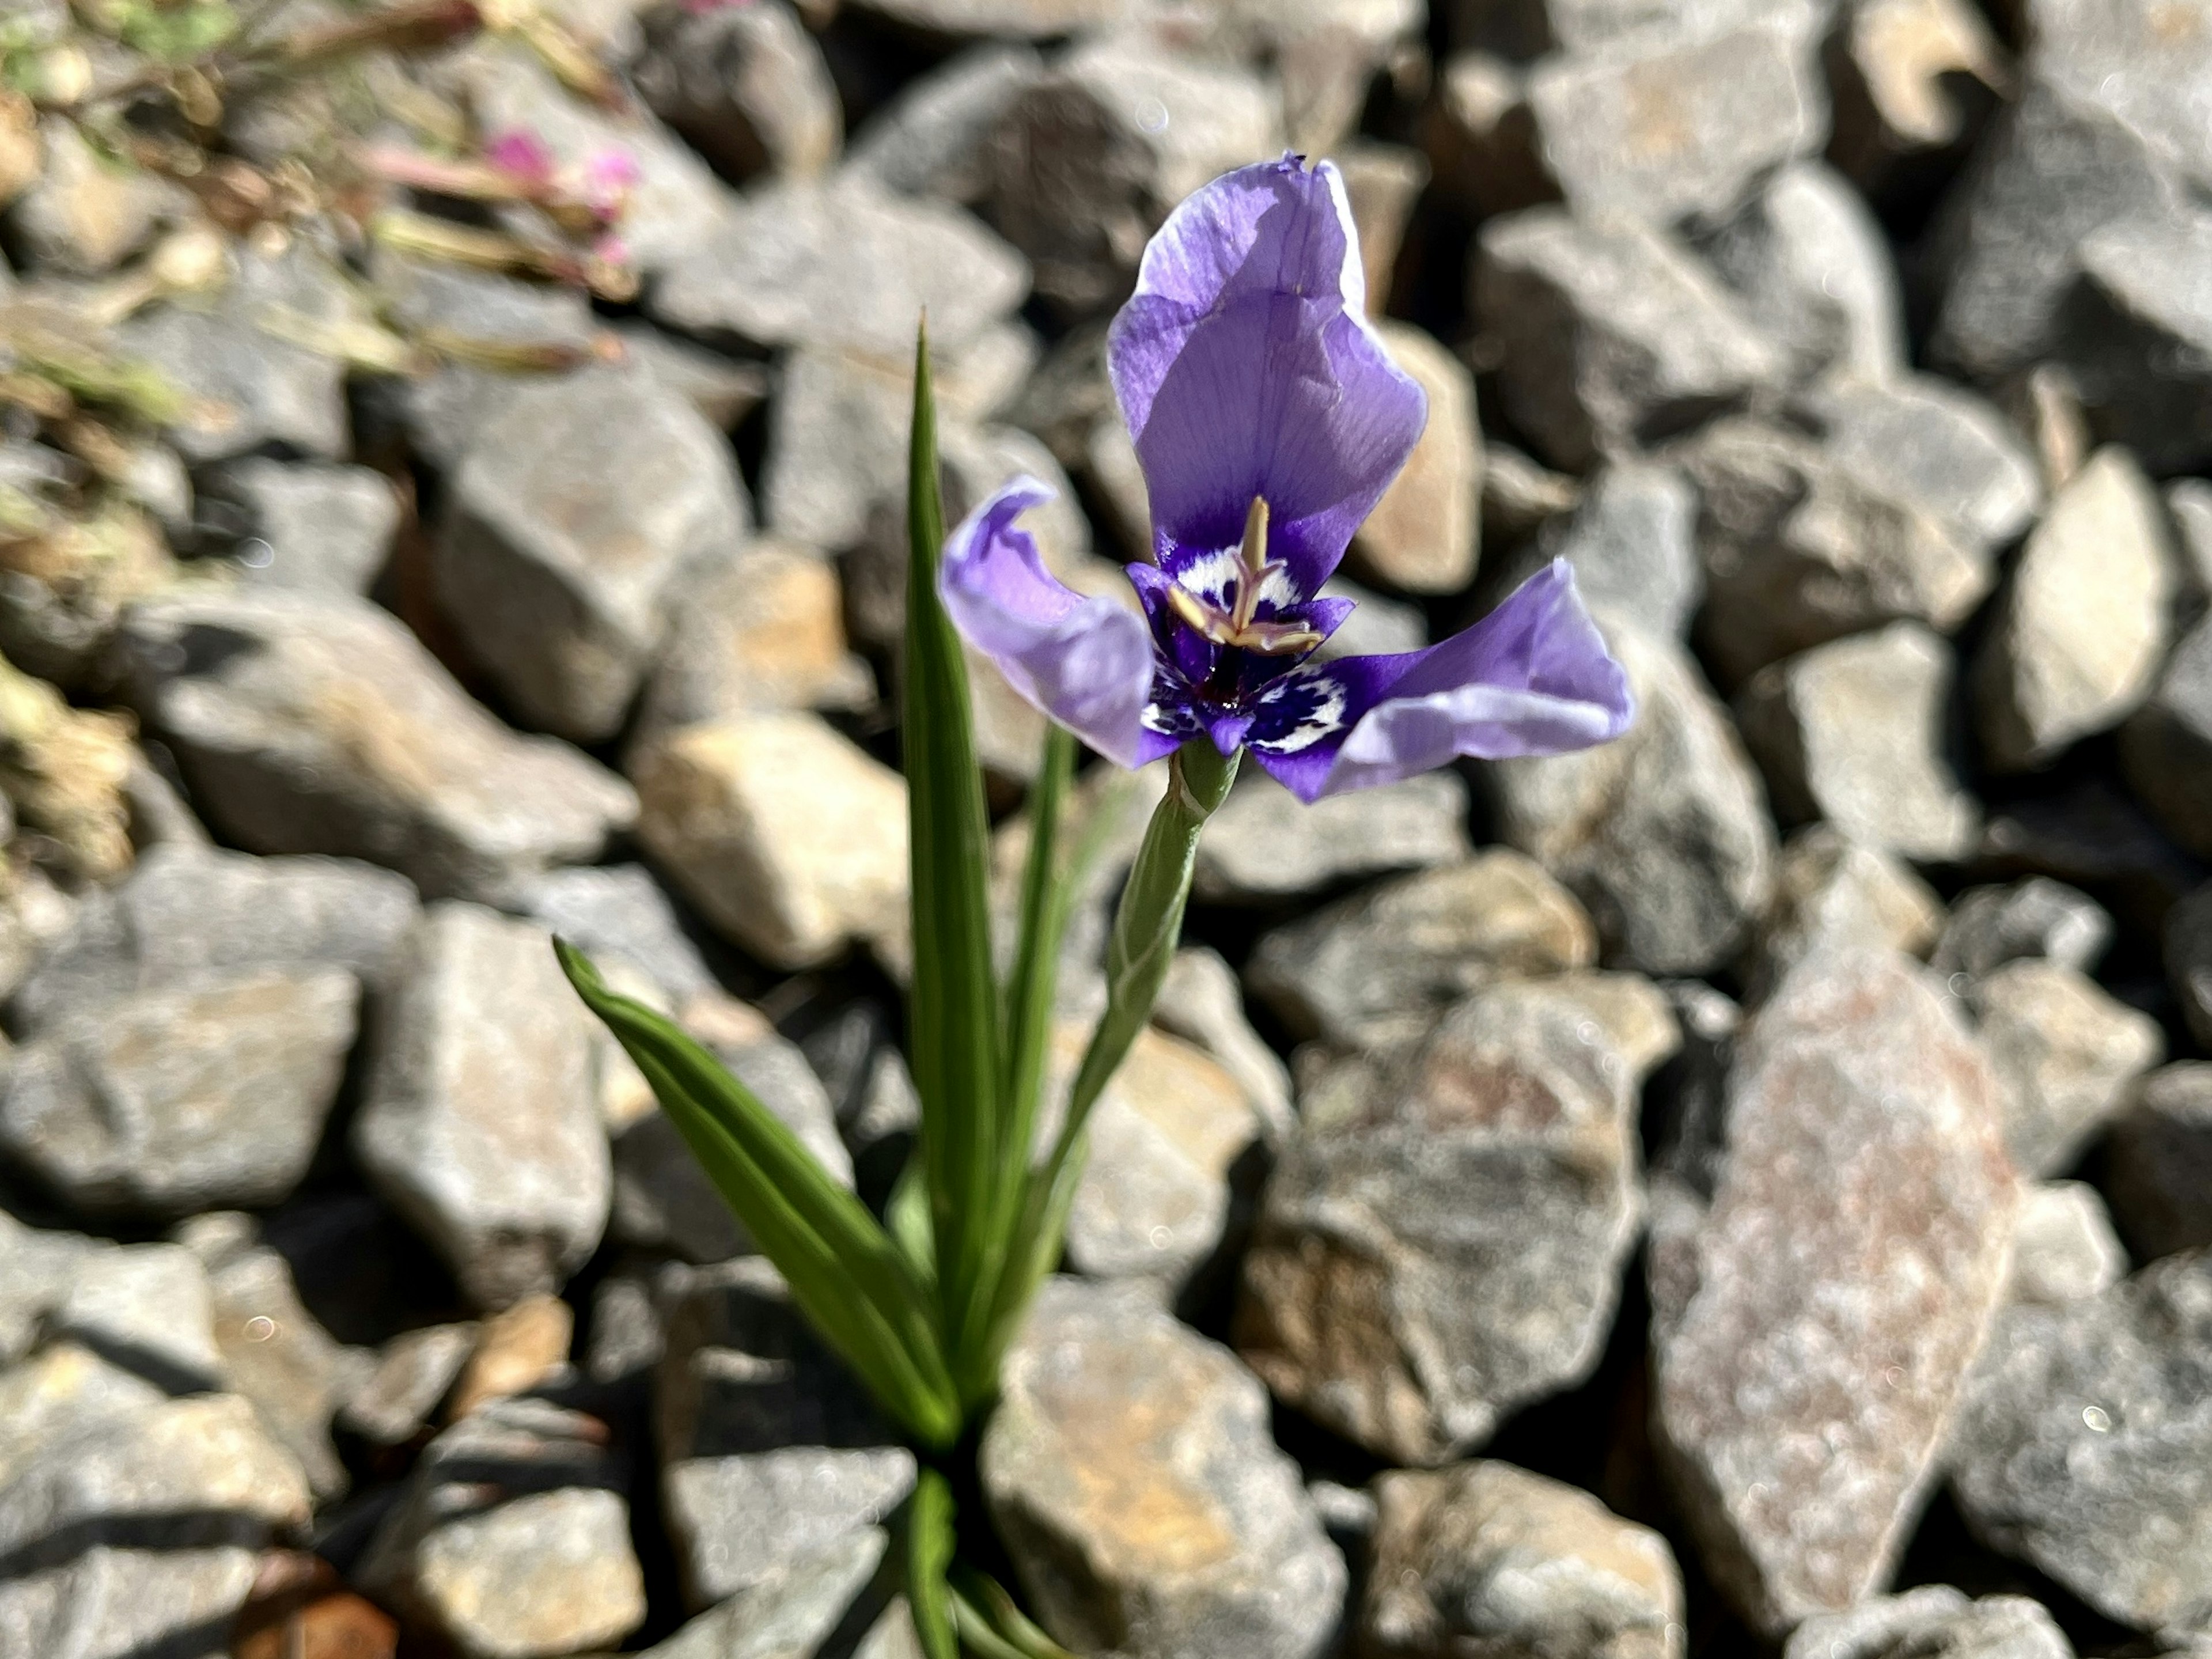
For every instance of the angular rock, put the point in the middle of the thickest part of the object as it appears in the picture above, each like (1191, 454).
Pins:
(1485, 1557)
(2165, 747)
(396, 1401)
(168, 1103)
(1664, 835)
(317, 724)
(1612, 334)
(61, 1388)
(1130, 1469)
(2134, 335)
(932, 138)
(1422, 536)
(1990, 927)
(146, 1308)
(1022, 19)
(1202, 1002)
(2083, 628)
(518, 1349)
(1381, 182)
(1376, 969)
(1481, 135)
(2065, 1053)
(2189, 961)
(620, 910)
(788, 837)
(792, 1612)
(304, 524)
(2085, 1445)
(2063, 1246)
(481, 1123)
(1933, 1618)
(1264, 845)
(1631, 539)
(512, 1540)
(1830, 891)
(722, 388)
(87, 212)
(1089, 159)
(1935, 446)
(1442, 1237)
(747, 86)
(769, 1451)
(1814, 1323)
(1911, 81)
(581, 519)
(1852, 732)
(2158, 1162)
(844, 267)
(1815, 271)
(1667, 128)
(2189, 506)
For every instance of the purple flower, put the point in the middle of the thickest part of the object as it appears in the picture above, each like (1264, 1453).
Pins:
(1268, 420)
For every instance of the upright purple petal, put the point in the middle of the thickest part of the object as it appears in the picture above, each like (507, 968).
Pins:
(1533, 677)
(1086, 663)
(1245, 367)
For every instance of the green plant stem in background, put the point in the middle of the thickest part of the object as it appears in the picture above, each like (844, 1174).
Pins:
(929, 1545)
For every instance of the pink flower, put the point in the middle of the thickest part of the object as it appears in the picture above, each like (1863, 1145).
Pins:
(609, 178)
(522, 156)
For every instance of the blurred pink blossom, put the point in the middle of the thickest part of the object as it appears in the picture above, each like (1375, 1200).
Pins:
(522, 155)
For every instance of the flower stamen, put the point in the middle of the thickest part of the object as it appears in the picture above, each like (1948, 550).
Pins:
(1239, 627)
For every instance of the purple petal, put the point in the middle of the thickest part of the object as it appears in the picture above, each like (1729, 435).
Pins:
(1245, 367)
(1086, 663)
(1533, 677)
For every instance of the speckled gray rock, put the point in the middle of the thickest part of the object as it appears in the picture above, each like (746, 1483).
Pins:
(747, 86)
(770, 1450)
(1130, 1469)
(1484, 1558)
(1989, 926)
(86, 210)
(2083, 628)
(1815, 271)
(2063, 1247)
(1443, 1234)
(391, 1403)
(1376, 968)
(2158, 1162)
(2065, 1053)
(164, 1103)
(59, 1389)
(1813, 1323)
(1612, 335)
(2135, 333)
(791, 1612)
(1934, 1618)
(313, 723)
(2165, 747)
(146, 1307)
(843, 266)
(1632, 541)
(930, 139)
(1663, 834)
(2084, 1445)
(1852, 732)
(581, 516)
(481, 1124)
(305, 524)
(1264, 845)
(512, 1540)
(1202, 1002)
(619, 911)
(1831, 890)
(2189, 961)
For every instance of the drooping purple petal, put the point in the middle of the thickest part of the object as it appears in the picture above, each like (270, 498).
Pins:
(1533, 677)
(1086, 663)
(1245, 367)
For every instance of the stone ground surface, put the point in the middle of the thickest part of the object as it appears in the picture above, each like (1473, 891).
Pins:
(1744, 1190)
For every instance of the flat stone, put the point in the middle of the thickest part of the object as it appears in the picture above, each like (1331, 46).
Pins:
(1442, 1236)
(1130, 1469)
(788, 837)
(1989, 926)
(1376, 969)
(2082, 629)
(619, 910)
(2065, 1053)
(1667, 128)
(579, 520)
(2135, 332)
(2063, 1246)
(1632, 541)
(2085, 1445)
(481, 1123)
(1933, 1618)
(308, 525)
(1815, 272)
(167, 1103)
(2165, 747)
(1911, 81)
(517, 1350)
(747, 87)
(771, 1452)
(844, 267)
(1612, 334)
(1830, 891)
(931, 138)
(2158, 1162)
(1424, 535)
(146, 1307)
(309, 723)
(1264, 845)
(1852, 731)
(793, 1612)
(1486, 1557)
(765, 630)
(396, 1401)
(1663, 834)
(1814, 1323)
(1202, 1002)
(2189, 961)
(513, 1539)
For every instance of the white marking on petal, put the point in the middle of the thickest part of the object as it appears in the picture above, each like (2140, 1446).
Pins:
(1327, 715)
(1275, 587)
(1209, 576)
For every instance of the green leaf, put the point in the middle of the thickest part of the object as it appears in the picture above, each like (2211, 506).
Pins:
(845, 1273)
(929, 1544)
(952, 1009)
(992, 1625)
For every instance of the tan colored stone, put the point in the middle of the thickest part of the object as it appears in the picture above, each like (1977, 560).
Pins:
(1908, 77)
(1829, 889)
(515, 1350)
(1423, 537)
(2065, 1051)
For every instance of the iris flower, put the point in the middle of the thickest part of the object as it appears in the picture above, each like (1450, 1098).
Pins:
(1268, 419)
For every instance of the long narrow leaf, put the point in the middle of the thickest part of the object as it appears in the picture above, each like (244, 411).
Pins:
(845, 1273)
(951, 1027)
(929, 1545)
(983, 1604)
